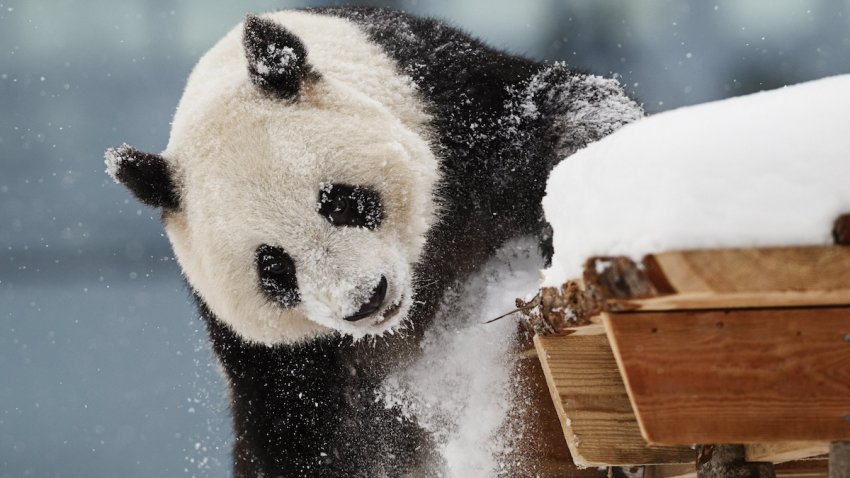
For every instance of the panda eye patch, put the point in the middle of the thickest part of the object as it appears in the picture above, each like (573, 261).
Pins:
(355, 206)
(276, 270)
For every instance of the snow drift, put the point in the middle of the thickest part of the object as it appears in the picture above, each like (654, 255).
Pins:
(768, 169)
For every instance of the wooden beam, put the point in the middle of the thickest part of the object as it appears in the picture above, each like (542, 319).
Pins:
(593, 407)
(736, 376)
(780, 452)
(725, 278)
(802, 469)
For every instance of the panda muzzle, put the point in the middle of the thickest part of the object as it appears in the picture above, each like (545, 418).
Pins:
(373, 304)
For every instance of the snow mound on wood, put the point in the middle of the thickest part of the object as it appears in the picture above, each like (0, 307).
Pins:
(768, 169)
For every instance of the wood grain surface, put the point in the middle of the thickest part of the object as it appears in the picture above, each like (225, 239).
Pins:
(592, 404)
(739, 278)
(781, 452)
(736, 376)
(541, 451)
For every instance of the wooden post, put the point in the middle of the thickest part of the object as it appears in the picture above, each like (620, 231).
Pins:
(839, 459)
(727, 461)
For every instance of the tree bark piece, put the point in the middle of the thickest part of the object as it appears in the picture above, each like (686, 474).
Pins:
(841, 230)
(554, 310)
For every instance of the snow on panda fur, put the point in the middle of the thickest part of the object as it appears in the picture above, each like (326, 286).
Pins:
(330, 174)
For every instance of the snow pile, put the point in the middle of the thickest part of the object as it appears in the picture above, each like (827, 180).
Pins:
(462, 386)
(768, 169)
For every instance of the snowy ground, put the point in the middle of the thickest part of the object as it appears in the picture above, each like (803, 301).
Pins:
(768, 169)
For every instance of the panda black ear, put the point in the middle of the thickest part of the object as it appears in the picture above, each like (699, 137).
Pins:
(146, 175)
(277, 60)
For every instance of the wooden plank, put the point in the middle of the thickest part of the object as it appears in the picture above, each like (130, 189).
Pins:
(736, 376)
(786, 451)
(757, 270)
(802, 469)
(542, 451)
(595, 327)
(739, 278)
(737, 300)
(592, 405)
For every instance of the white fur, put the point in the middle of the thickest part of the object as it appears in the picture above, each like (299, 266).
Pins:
(250, 167)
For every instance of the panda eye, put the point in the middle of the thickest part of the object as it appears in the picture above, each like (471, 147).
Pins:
(355, 206)
(341, 212)
(276, 270)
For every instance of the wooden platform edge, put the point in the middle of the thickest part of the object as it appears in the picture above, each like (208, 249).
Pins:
(606, 322)
(594, 411)
(786, 451)
(556, 400)
(640, 342)
(802, 276)
(729, 300)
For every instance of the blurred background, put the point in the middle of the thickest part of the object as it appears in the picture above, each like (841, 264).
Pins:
(104, 365)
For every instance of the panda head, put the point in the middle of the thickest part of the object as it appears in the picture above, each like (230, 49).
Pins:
(297, 185)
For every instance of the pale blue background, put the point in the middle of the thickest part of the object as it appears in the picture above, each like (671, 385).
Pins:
(104, 367)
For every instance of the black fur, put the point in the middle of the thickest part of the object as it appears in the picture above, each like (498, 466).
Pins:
(278, 277)
(311, 409)
(146, 175)
(277, 60)
(352, 206)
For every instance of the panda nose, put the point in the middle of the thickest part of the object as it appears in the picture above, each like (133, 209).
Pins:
(373, 304)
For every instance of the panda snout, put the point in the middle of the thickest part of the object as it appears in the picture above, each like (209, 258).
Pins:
(373, 304)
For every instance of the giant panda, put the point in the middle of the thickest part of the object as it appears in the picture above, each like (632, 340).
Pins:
(330, 174)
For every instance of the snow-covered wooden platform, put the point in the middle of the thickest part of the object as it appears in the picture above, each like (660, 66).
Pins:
(699, 292)
(727, 346)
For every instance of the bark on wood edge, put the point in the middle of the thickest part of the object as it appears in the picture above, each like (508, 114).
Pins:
(606, 282)
(728, 461)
